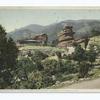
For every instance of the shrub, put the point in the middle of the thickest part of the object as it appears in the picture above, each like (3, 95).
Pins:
(40, 79)
(68, 67)
(51, 66)
(38, 56)
(84, 68)
(48, 81)
(27, 64)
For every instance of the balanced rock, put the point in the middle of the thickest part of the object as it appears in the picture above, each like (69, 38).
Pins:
(65, 37)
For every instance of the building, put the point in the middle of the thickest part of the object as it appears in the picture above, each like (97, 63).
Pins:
(40, 39)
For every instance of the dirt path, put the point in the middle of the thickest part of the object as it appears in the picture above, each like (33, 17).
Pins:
(91, 84)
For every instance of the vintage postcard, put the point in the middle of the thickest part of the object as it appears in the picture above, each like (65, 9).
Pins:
(50, 48)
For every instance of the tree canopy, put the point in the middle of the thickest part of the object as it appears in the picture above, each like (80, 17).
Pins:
(8, 56)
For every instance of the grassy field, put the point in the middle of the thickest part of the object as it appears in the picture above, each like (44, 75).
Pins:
(30, 47)
(95, 40)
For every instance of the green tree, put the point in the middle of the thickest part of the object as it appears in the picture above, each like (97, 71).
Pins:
(91, 54)
(79, 54)
(8, 55)
(83, 58)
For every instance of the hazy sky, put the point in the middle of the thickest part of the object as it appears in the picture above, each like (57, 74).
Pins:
(16, 18)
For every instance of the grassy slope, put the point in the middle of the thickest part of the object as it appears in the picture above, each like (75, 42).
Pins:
(45, 49)
(95, 40)
(26, 47)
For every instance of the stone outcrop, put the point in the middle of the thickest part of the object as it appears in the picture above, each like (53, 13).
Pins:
(65, 37)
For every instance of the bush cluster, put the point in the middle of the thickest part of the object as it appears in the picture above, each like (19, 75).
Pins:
(37, 70)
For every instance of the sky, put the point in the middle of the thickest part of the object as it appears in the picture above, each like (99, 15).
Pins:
(12, 19)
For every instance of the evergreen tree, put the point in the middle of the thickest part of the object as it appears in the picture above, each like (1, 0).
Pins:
(79, 54)
(84, 59)
(91, 54)
(8, 55)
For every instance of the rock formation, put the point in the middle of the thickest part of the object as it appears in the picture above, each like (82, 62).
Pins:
(65, 37)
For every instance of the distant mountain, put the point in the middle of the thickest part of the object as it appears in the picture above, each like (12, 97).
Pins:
(34, 28)
(80, 27)
(27, 31)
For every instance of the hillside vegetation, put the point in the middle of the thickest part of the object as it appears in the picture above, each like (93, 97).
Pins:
(52, 67)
